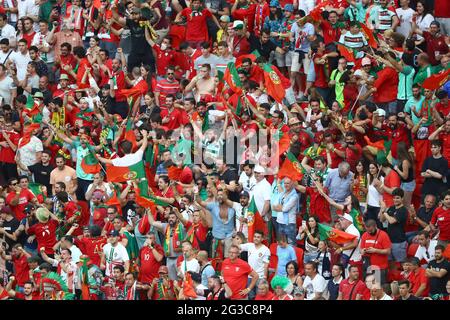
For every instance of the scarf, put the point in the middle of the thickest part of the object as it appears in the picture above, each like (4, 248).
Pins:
(177, 236)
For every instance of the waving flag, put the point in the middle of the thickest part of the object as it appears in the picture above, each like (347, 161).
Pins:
(436, 80)
(38, 190)
(255, 221)
(231, 77)
(188, 286)
(28, 132)
(90, 163)
(358, 221)
(273, 81)
(335, 235)
(122, 174)
(346, 52)
(291, 168)
(369, 36)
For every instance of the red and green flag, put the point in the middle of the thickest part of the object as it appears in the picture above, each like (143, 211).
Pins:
(129, 132)
(273, 81)
(291, 168)
(346, 52)
(174, 172)
(255, 221)
(123, 174)
(90, 163)
(188, 286)
(436, 81)
(252, 56)
(231, 77)
(27, 133)
(358, 221)
(38, 190)
(335, 235)
(371, 41)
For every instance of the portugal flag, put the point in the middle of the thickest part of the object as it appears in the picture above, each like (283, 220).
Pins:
(255, 221)
(90, 163)
(436, 80)
(122, 174)
(335, 235)
(273, 81)
(38, 190)
(231, 76)
(188, 286)
(346, 52)
(291, 168)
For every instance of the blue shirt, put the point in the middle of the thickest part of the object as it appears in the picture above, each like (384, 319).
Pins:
(220, 229)
(289, 201)
(276, 196)
(81, 153)
(285, 255)
(208, 271)
(339, 188)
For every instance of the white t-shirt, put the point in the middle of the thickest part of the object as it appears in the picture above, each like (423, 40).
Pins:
(385, 297)
(117, 255)
(373, 196)
(356, 256)
(405, 17)
(128, 159)
(6, 85)
(421, 252)
(241, 213)
(21, 62)
(257, 257)
(261, 193)
(424, 23)
(75, 253)
(313, 286)
(248, 183)
(8, 32)
(192, 265)
(40, 39)
(28, 152)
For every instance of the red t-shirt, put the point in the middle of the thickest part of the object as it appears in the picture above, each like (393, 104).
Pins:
(352, 156)
(196, 24)
(241, 46)
(29, 38)
(386, 84)
(441, 218)
(195, 233)
(21, 269)
(268, 296)
(445, 138)
(68, 60)
(330, 34)
(7, 154)
(378, 241)
(397, 135)
(92, 247)
(175, 118)
(236, 275)
(164, 59)
(247, 13)
(25, 197)
(149, 265)
(321, 79)
(345, 287)
(392, 180)
(435, 46)
(318, 205)
(45, 235)
(443, 108)
(418, 278)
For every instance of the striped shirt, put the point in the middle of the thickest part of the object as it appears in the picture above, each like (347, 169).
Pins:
(383, 19)
(353, 40)
(166, 87)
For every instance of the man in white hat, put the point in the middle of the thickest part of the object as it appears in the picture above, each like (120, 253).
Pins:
(239, 43)
(261, 192)
(350, 254)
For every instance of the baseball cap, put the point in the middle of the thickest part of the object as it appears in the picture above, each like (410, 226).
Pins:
(381, 112)
(259, 169)
(114, 233)
(225, 18)
(293, 121)
(38, 94)
(64, 77)
(244, 194)
(366, 61)
(347, 217)
(289, 7)
(238, 25)
(274, 3)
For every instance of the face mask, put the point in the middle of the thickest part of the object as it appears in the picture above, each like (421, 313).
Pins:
(163, 46)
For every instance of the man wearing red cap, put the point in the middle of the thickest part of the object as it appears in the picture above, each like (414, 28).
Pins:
(162, 288)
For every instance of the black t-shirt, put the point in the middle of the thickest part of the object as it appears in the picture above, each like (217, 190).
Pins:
(10, 227)
(139, 44)
(264, 49)
(437, 285)
(228, 176)
(41, 175)
(411, 297)
(396, 231)
(425, 215)
(432, 185)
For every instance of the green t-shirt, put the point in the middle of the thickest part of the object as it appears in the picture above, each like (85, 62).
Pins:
(339, 86)
(405, 82)
(81, 153)
(422, 74)
(417, 105)
(183, 146)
